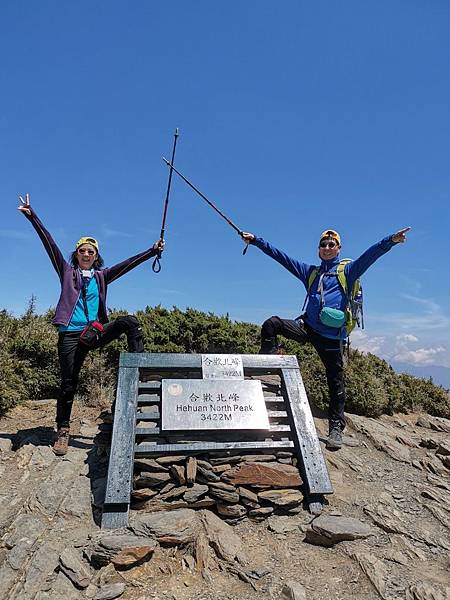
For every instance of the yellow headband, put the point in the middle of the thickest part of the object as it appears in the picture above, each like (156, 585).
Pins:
(87, 240)
(331, 233)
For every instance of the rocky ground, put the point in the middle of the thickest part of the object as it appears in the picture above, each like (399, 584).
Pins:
(384, 533)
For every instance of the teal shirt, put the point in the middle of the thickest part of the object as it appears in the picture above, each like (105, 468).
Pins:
(78, 320)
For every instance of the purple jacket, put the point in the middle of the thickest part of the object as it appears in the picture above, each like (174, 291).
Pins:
(70, 277)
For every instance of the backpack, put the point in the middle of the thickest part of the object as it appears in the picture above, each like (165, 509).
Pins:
(354, 314)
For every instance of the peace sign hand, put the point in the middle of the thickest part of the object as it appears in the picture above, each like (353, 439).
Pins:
(24, 205)
(400, 236)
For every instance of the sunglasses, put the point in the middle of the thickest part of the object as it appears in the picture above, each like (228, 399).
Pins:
(327, 244)
(86, 251)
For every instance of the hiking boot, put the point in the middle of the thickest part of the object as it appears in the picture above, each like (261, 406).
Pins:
(269, 346)
(334, 440)
(61, 443)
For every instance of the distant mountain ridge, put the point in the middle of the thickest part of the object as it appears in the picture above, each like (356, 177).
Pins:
(440, 375)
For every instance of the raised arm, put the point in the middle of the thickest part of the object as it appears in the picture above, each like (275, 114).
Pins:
(48, 242)
(116, 271)
(299, 269)
(359, 266)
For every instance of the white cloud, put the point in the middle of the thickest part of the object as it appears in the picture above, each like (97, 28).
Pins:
(405, 348)
(407, 337)
(421, 356)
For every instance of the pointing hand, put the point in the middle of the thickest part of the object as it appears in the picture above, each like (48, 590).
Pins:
(400, 236)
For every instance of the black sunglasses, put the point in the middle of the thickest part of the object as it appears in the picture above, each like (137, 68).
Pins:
(327, 244)
(85, 251)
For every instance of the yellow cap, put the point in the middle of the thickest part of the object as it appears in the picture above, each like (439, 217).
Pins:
(87, 240)
(331, 233)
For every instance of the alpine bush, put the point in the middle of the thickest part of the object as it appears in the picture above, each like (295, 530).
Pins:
(29, 364)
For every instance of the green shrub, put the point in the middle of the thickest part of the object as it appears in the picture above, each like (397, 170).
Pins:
(29, 364)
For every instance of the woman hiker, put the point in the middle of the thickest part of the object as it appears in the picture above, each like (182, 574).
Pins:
(316, 325)
(81, 314)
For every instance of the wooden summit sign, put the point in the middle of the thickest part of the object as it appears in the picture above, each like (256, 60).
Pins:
(259, 401)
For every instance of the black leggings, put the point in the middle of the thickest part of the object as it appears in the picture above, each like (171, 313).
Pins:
(71, 356)
(329, 351)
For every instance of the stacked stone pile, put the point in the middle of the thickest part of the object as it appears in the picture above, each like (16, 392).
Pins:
(234, 485)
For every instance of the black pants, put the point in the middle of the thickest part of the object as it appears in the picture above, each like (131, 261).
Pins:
(71, 354)
(329, 351)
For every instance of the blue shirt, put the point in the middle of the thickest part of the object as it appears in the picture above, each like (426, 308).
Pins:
(78, 319)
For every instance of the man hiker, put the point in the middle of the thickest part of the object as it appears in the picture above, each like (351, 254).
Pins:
(323, 324)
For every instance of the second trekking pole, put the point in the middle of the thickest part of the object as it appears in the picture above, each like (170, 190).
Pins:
(211, 204)
(156, 266)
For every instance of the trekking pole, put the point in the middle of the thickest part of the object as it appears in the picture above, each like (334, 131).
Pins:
(211, 204)
(156, 266)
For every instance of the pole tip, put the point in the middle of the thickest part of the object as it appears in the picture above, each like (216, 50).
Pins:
(165, 160)
(177, 132)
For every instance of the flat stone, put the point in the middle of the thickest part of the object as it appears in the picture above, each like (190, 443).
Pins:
(169, 486)
(168, 460)
(439, 424)
(283, 524)
(284, 454)
(25, 527)
(156, 505)
(270, 474)
(232, 511)
(247, 495)
(205, 502)
(175, 492)
(428, 442)
(382, 436)
(293, 591)
(221, 468)
(204, 463)
(178, 473)
(287, 497)
(191, 469)
(149, 464)
(5, 445)
(424, 422)
(222, 539)
(176, 527)
(63, 588)
(111, 591)
(207, 475)
(443, 448)
(424, 591)
(195, 492)
(258, 458)
(231, 497)
(228, 459)
(72, 565)
(148, 480)
(42, 563)
(143, 494)
(261, 512)
(327, 530)
(219, 485)
(122, 550)
(42, 458)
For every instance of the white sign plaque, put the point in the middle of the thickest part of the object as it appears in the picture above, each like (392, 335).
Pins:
(193, 404)
(222, 366)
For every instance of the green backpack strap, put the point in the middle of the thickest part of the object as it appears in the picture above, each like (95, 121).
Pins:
(340, 272)
(312, 277)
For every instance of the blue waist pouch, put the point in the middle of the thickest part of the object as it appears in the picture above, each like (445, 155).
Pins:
(332, 317)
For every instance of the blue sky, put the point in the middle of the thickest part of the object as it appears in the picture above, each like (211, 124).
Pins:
(294, 117)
